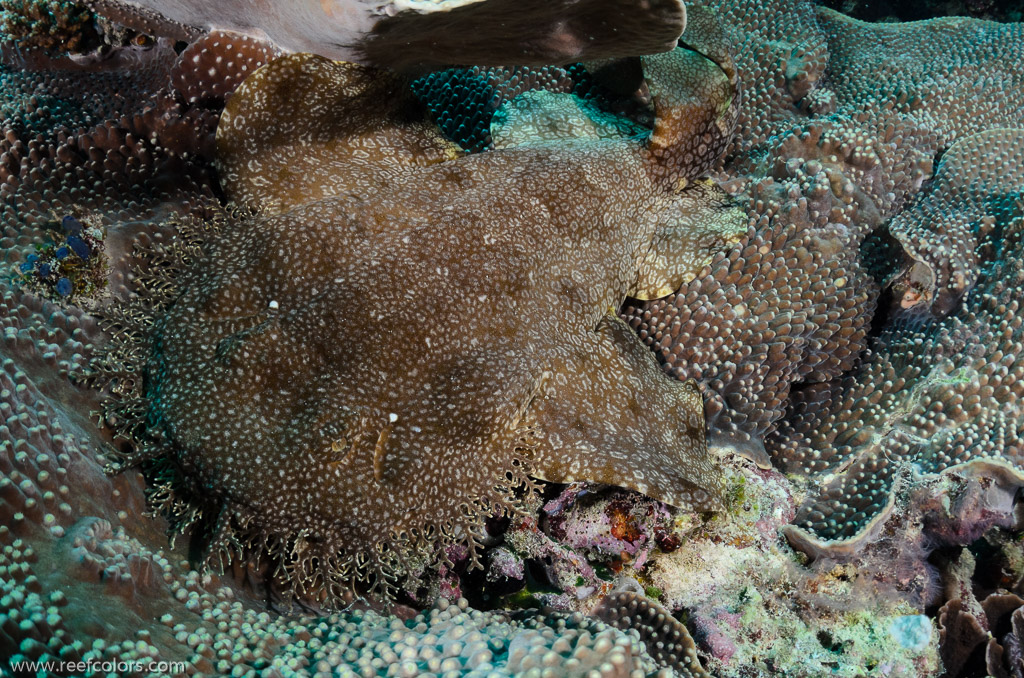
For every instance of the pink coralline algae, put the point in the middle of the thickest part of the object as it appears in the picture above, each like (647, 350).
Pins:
(620, 529)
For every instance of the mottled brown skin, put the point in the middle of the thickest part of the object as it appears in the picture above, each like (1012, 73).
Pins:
(537, 32)
(381, 364)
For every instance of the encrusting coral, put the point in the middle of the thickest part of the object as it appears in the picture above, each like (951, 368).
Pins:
(668, 639)
(942, 232)
(394, 430)
(863, 334)
(936, 394)
(791, 305)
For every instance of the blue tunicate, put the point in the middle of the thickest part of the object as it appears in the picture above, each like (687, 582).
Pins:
(78, 246)
(62, 252)
(63, 287)
(25, 267)
(71, 225)
(32, 258)
(44, 270)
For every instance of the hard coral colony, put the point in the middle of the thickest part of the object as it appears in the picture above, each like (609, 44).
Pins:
(401, 345)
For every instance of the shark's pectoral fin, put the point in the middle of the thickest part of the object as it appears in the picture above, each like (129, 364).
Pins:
(699, 222)
(429, 35)
(610, 415)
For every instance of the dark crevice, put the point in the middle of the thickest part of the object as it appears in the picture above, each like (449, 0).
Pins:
(918, 10)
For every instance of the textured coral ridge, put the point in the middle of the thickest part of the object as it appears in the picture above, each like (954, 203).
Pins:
(838, 131)
(343, 400)
(935, 395)
(192, 625)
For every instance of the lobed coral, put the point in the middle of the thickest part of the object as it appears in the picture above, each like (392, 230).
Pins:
(667, 638)
(933, 395)
(772, 326)
(980, 624)
(916, 10)
(962, 207)
(898, 427)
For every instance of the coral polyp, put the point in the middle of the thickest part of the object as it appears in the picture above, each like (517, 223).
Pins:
(711, 358)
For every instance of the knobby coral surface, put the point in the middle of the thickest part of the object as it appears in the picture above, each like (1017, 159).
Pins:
(934, 394)
(863, 335)
(839, 129)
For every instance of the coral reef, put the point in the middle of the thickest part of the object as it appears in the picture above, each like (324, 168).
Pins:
(56, 26)
(980, 625)
(204, 627)
(838, 160)
(71, 265)
(933, 395)
(668, 639)
(917, 10)
(853, 325)
(462, 102)
(755, 608)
